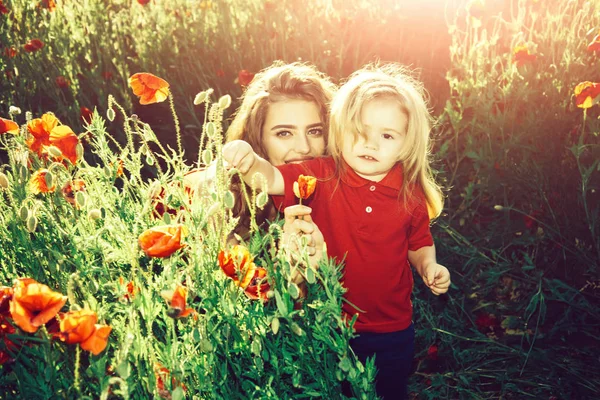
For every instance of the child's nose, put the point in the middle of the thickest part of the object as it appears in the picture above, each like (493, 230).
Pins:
(372, 142)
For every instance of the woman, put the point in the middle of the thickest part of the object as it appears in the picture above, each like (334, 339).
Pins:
(284, 117)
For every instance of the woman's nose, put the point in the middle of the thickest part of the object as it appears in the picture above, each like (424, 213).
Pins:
(302, 146)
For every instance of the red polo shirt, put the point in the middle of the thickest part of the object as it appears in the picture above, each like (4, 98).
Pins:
(365, 223)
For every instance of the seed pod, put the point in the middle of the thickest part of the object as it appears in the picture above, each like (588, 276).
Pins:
(32, 223)
(207, 156)
(4, 181)
(110, 114)
(275, 325)
(24, 213)
(224, 102)
(229, 200)
(296, 329)
(261, 200)
(94, 214)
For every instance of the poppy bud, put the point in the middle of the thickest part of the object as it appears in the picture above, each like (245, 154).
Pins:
(12, 110)
(293, 290)
(207, 156)
(224, 102)
(498, 207)
(80, 199)
(200, 98)
(4, 181)
(79, 151)
(24, 213)
(310, 275)
(110, 114)
(206, 346)
(32, 223)
(54, 151)
(229, 199)
(149, 160)
(94, 214)
(210, 130)
(296, 329)
(49, 179)
(23, 173)
(261, 200)
(275, 325)
(28, 116)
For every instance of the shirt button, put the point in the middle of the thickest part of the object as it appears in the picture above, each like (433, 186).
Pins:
(372, 188)
(369, 209)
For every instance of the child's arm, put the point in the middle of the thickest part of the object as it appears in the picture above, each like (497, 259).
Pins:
(240, 155)
(435, 276)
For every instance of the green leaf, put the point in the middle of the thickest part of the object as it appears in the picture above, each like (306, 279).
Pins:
(281, 306)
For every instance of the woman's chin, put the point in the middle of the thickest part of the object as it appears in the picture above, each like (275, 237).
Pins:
(298, 160)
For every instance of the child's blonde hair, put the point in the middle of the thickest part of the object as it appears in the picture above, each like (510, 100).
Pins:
(395, 82)
(279, 82)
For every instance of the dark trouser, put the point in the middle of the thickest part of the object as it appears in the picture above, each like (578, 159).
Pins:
(394, 354)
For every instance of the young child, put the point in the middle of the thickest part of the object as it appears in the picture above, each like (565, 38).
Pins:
(373, 202)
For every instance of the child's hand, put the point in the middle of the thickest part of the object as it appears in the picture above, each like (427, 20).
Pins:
(436, 278)
(240, 155)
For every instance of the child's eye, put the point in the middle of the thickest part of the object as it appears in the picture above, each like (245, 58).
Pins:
(387, 136)
(283, 134)
(316, 132)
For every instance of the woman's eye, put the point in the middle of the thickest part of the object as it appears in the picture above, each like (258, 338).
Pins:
(283, 134)
(315, 132)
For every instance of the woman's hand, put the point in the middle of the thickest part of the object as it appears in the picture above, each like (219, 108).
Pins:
(299, 228)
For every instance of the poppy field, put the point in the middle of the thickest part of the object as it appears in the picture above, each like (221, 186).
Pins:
(116, 282)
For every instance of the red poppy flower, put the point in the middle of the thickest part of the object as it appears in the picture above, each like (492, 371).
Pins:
(10, 52)
(6, 328)
(86, 114)
(39, 132)
(8, 126)
(38, 183)
(245, 77)
(66, 141)
(305, 186)
(70, 188)
(62, 82)
(521, 55)
(48, 4)
(107, 75)
(3, 8)
(33, 45)
(6, 294)
(162, 241)
(177, 301)
(486, 322)
(34, 304)
(162, 374)
(143, 2)
(586, 94)
(594, 45)
(80, 327)
(259, 286)
(149, 88)
(237, 265)
(432, 352)
(220, 73)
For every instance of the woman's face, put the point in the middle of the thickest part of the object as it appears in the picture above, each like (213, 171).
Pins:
(293, 132)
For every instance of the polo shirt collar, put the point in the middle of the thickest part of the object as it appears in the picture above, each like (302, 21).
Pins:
(392, 180)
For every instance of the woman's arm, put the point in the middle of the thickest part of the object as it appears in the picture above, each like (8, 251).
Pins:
(240, 155)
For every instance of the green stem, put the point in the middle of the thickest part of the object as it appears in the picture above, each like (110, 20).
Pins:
(176, 120)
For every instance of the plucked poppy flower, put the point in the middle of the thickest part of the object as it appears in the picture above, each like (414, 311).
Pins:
(245, 77)
(86, 114)
(586, 94)
(238, 265)
(149, 88)
(48, 4)
(33, 45)
(10, 52)
(162, 241)
(70, 188)
(62, 82)
(305, 186)
(521, 55)
(3, 8)
(33, 304)
(38, 183)
(39, 132)
(8, 126)
(594, 45)
(177, 301)
(80, 327)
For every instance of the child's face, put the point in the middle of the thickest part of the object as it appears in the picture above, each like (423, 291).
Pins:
(385, 126)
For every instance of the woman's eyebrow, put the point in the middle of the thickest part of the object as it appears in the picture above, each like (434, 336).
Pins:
(315, 125)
